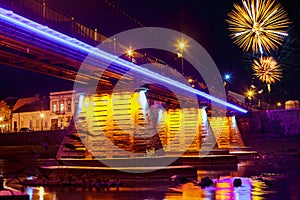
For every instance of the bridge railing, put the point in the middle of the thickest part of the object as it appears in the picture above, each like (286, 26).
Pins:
(41, 12)
(38, 10)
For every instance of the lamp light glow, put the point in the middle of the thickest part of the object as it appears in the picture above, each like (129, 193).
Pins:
(129, 52)
(9, 16)
(181, 46)
(227, 77)
(250, 94)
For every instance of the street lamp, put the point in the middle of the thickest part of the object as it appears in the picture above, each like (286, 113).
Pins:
(226, 81)
(42, 115)
(129, 52)
(250, 94)
(279, 105)
(227, 77)
(181, 47)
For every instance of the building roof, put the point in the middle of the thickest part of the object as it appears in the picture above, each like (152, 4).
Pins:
(40, 105)
(23, 101)
(67, 92)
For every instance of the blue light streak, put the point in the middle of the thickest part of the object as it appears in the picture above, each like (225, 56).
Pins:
(56, 36)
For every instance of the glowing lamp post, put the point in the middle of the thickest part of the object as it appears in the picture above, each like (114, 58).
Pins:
(227, 77)
(129, 53)
(226, 81)
(250, 94)
(42, 116)
(279, 105)
(181, 47)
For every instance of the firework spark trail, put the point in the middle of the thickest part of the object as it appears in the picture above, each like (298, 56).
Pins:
(259, 25)
(267, 70)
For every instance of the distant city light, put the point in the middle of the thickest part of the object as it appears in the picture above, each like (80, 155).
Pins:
(56, 36)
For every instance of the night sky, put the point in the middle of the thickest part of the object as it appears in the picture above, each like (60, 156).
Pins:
(204, 21)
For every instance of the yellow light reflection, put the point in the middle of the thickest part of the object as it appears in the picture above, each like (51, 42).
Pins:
(223, 190)
(258, 190)
(41, 192)
(191, 192)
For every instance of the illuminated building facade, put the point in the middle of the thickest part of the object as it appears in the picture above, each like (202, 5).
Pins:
(62, 107)
(32, 114)
(5, 117)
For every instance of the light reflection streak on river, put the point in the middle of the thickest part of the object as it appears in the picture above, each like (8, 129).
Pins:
(285, 187)
(222, 189)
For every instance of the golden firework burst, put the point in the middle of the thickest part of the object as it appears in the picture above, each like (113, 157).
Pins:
(258, 24)
(267, 70)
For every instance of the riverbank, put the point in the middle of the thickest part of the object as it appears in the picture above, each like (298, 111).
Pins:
(24, 152)
(275, 149)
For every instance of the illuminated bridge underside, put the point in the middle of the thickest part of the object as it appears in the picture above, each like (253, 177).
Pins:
(125, 125)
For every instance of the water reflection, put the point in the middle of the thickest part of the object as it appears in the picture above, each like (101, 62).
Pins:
(223, 189)
(29, 191)
(252, 188)
(39, 193)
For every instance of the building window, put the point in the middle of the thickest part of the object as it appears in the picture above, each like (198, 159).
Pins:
(54, 107)
(62, 107)
(69, 105)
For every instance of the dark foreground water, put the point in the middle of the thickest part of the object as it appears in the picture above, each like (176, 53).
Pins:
(259, 182)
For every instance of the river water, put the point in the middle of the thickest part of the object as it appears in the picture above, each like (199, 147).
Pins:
(258, 182)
